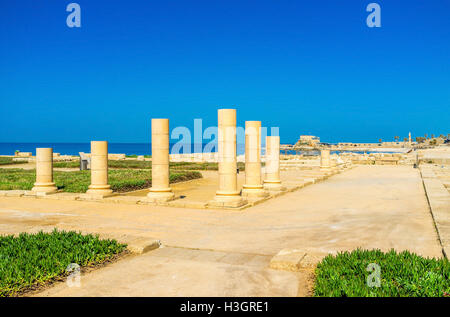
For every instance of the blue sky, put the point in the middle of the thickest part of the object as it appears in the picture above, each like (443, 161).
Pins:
(308, 67)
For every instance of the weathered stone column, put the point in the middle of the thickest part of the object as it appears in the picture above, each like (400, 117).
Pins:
(253, 183)
(44, 171)
(272, 180)
(228, 194)
(160, 190)
(325, 163)
(99, 169)
(333, 162)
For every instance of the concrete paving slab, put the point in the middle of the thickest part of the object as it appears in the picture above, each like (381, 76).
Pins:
(287, 260)
(123, 200)
(140, 245)
(149, 275)
(439, 202)
(62, 196)
(13, 193)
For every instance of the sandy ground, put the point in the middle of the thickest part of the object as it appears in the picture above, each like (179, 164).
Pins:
(226, 253)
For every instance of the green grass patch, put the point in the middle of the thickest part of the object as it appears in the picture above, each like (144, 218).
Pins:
(204, 166)
(67, 164)
(30, 260)
(10, 161)
(135, 164)
(173, 165)
(130, 164)
(122, 180)
(402, 274)
(135, 156)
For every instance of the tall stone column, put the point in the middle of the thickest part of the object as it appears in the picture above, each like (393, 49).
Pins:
(272, 180)
(160, 190)
(99, 169)
(44, 171)
(253, 184)
(228, 194)
(325, 163)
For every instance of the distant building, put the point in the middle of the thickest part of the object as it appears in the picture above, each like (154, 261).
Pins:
(308, 140)
(373, 145)
(349, 144)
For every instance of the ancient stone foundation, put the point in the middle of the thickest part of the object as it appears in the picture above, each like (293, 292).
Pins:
(160, 190)
(44, 171)
(253, 186)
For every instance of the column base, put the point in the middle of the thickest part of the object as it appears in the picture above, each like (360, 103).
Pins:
(100, 191)
(229, 201)
(44, 188)
(274, 186)
(159, 196)
(248, 191)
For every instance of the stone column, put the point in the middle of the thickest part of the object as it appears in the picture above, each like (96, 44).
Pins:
(228, 193)
(333, 162)
(44, 171)
(272, 180)
(325, 163)
(253, 183)
(160, 190)
(99, 169)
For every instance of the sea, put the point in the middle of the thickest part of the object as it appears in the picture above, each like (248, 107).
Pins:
(135, 148)
(125, 148)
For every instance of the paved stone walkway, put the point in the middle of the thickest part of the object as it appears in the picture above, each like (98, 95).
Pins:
(226, 253)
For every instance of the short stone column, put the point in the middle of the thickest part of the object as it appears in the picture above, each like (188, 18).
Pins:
(228, 194)
(99, 169)
(272, 180)
(253, 183)
(333, 162)
(325, 163)
(44, 171)
(160, 190)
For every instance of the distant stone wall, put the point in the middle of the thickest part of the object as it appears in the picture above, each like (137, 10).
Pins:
(24, 154)
(112, 156)
(437, 155)
(435, 160)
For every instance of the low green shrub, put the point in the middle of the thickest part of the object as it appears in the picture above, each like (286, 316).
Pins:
(130, 164)
(135, 164)
(67, 164)
(135, 156)
(30, 260)
(122, 180)
(401, 274)
(10, 161)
